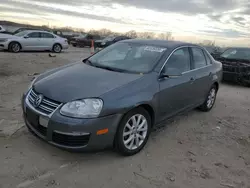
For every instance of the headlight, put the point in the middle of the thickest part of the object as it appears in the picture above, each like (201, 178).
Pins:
(3, 40)
(103, 43)
(86, 108)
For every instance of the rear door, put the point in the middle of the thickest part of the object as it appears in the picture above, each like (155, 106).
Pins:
(176, 92)
(47, 40)
(32, 42)
(202, 70)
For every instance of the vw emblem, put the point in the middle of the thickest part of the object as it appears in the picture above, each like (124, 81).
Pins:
(38, 100)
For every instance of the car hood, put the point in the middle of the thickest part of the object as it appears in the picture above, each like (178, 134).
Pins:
(2, 35)
(80, 81)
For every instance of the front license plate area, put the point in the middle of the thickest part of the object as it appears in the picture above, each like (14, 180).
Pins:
(43, 121)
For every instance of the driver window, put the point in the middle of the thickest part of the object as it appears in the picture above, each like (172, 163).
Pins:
(180, 60)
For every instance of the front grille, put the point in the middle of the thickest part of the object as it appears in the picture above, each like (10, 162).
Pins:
(33, 120)
(236, 68)
(47, 105)
(69, 140)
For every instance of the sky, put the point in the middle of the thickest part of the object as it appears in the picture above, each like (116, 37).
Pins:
(227, 22)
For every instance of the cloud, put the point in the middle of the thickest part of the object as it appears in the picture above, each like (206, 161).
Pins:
(33, 8)
(216, 18)
(239, 20)
(223, 4)
(230, 33)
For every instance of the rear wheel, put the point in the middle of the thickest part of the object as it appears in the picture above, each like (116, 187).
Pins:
(210, 100)
(57, 48)
(133, 132)
(14, 47)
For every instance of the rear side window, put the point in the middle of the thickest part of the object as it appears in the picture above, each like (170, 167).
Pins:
(180, 60)
(199, 58)
(209, 61)
(47, 35)
(34, 35)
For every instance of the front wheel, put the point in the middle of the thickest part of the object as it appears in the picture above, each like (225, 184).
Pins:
(14, 47)
(133, 132)
(210, 100)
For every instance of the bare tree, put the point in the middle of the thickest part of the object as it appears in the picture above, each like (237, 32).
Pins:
(146, 35)
(208, 43)
(166, 36)
(131, 34)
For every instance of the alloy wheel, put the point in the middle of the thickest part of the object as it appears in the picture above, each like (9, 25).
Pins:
(135, 132)
(211, 98)
(57, 48)
(15, 47)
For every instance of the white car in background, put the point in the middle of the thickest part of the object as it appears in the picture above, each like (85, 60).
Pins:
(2, 29)
(33, 40)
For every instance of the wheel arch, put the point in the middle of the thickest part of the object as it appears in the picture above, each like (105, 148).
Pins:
(21, 47)
(216, 85)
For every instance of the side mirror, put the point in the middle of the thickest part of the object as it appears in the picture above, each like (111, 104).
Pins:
(26, 37)
(171, 73)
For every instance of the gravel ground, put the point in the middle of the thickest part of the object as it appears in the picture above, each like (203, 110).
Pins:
(194, 150)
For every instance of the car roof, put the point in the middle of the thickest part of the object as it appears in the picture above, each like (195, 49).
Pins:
(37, 31)
(162, 43)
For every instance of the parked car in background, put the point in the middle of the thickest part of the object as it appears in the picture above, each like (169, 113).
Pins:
(215, 51)
(2, 29)
(33, 40)
(115, 97)
(236, 65)
(85, 40)
(70, 37)
(26, 29)
(100, 44)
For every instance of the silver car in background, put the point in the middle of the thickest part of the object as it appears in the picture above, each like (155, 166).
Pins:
(33, 40)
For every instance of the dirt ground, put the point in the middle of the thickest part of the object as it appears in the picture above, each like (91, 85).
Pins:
(194, 150)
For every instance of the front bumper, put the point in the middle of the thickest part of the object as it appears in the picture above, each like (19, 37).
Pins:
(4, 45)
(65, 46)
(72, 133)
(234, 73)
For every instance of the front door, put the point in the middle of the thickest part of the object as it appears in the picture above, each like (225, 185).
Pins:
(176, 92)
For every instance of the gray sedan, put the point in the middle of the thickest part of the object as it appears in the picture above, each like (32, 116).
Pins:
(116, 96)
(32, 40)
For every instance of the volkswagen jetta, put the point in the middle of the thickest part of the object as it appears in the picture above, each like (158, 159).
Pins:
(116, 96)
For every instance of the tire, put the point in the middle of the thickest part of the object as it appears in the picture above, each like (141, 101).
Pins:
(210, 100)
(132, 137)
(57, 48)
(14, 47)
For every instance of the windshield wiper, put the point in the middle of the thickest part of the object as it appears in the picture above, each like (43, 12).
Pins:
(108, 68)
(87, 61)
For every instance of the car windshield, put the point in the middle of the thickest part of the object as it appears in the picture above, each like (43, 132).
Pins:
(128, 57)
(22, 33)
(237, 53)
